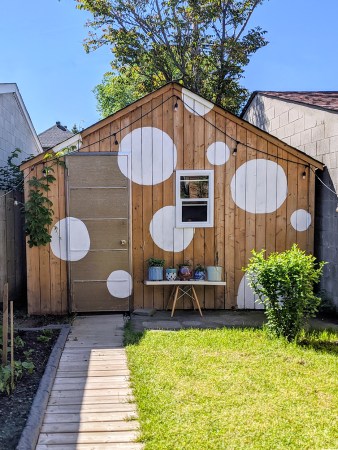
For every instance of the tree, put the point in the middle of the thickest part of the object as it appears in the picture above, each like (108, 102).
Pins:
(204, 43)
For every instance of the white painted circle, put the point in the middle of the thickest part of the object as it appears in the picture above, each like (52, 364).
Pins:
(218, 153)
(165, 234)
(120, 284)
(196, 104)
(70, 239)
(246, 298)
(259, 186)
(152, 156)
(300, 220)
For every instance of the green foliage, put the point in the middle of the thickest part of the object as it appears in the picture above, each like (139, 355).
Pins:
(154, 262)
(206, 44)
(10, 175)
(46, 336)
(284, 284)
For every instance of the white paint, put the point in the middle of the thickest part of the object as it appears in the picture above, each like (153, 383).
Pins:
(259, 186)
(246, 299)
(153, 156)
(120, 284)
(165, 234)
(218, 153)
(70, 239)
(300, 220)
(196, 104)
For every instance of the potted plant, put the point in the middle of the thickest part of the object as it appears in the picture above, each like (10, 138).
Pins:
(155, 269)
(171, 273)
(185, 271)
(199, 273)
(215, 272)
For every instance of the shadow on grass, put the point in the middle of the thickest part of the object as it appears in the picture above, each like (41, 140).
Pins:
(325, 341)
(132, 337)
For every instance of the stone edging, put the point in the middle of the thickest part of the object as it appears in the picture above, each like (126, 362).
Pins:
(30, 434)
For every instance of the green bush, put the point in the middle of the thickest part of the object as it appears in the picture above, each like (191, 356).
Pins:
(284, 284)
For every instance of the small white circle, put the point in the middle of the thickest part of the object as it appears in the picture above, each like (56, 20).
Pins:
(196, 104)
(120, 284)
(70, 239)
(218, 153)
(152, 156)
(164, 233)
(246, 298)
(300, 220)
(259, 186)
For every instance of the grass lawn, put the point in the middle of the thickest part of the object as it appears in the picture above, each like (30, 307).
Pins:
(234, 389)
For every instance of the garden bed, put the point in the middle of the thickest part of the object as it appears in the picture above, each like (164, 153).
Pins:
(14, 409)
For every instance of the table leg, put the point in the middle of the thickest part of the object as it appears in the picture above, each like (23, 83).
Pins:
(175, 300)
(171, 295)
(196, 298)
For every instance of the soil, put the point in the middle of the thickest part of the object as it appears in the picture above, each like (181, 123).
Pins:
(14, 409)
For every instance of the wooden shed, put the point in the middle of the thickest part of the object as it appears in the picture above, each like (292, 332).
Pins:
(171, 176)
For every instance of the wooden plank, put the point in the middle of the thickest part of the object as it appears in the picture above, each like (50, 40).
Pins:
(87, 438)
(311, 200)
(87, 393)
(88, 385)
(5, 324)
(271, 218)
(91, 373)
(250, 229)
(281, 219)
(292, 200)
(92, 446)
(106, 407)
(302, 202)
(45, 274)
(75, 427)
(63, 305)
(80, 400)
(88, 417)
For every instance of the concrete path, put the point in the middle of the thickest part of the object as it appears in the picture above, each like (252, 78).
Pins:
(91, 404)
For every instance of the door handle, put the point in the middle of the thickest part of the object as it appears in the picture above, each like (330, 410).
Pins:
(123, 242)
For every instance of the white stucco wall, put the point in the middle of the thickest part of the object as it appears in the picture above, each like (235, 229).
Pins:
(309, 129)
(14, 129)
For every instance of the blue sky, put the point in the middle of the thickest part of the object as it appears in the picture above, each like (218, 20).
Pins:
(41, 50)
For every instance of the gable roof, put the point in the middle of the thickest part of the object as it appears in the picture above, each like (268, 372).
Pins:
(177, 88)
(54, 135)
(12, 88)
(327, 100)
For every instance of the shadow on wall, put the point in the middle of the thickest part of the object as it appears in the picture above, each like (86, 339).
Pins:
(326, 237)
(257, 115)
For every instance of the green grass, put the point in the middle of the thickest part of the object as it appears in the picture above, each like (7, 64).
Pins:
(234, 389)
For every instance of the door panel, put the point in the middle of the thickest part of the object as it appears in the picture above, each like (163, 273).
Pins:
(98, 195)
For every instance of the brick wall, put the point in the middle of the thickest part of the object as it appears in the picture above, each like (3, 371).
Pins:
(315, 132)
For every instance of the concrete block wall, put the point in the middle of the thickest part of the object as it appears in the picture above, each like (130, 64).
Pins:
(315, 132)
(14, 130)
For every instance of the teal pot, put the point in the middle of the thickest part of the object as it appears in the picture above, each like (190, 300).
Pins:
(214, 273)
(171, 274)
(155, 273)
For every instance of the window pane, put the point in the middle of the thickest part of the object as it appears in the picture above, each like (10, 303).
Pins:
(194, 186)
(194, 211)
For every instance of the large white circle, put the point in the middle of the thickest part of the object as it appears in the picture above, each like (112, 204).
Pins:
(152, 156)
(196, 104)
(300, 220)
(70, 239)
(120, 284)
(246, 298)
(218, 153)
(166, 235)
(259, 186)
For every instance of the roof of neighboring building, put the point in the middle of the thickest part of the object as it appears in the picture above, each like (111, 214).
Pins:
(12, 88)
(327, 100)
(54, 135)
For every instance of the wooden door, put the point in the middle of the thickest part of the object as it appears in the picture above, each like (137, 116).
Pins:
(99, 270)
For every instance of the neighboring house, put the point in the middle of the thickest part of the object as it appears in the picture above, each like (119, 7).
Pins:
(54, 135)
(175, 177)
(309, 122)
(16, 128)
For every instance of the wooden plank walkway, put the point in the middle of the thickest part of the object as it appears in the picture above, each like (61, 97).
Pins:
(91, 404)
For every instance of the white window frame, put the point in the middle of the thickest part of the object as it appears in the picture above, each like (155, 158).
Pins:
(210, 200)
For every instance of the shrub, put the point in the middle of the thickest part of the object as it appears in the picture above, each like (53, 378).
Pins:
(284, 284)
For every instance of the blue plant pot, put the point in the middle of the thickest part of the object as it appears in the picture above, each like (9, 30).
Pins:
(155, 273)
(171, 274)
(199, 275)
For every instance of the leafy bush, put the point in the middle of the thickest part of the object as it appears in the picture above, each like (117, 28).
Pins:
(284, 284)
(19, 369)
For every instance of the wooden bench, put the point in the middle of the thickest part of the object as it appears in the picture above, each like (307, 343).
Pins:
(184, 288)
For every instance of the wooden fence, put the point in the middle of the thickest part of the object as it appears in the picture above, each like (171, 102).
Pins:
(12, 246)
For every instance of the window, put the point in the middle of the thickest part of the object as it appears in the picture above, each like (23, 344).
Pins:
(194, 198)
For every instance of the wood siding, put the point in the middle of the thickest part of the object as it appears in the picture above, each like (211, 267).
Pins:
(236, 231)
